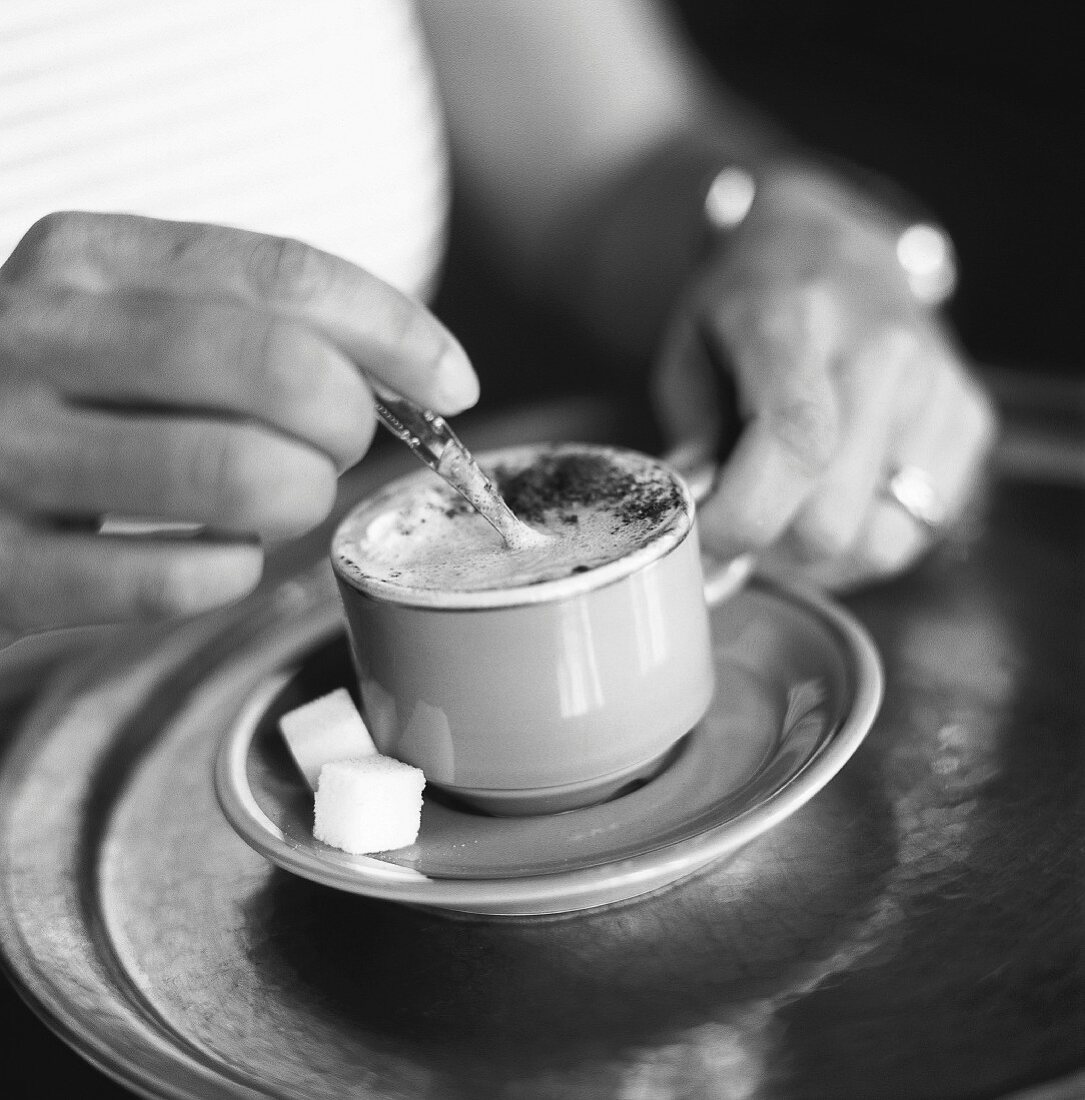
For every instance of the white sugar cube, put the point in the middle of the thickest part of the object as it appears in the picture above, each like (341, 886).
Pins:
(370, 804)
(328, 728)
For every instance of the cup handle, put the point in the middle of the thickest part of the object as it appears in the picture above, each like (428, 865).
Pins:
(722, 578)
(698, 461)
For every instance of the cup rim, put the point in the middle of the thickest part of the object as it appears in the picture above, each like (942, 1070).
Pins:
(555, 589)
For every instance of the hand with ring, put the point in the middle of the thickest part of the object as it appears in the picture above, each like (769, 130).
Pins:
(862, 432)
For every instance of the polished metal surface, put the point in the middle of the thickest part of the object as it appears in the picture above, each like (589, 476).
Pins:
(916, 930)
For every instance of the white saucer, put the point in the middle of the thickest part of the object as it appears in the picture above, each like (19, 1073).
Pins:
(798, 685)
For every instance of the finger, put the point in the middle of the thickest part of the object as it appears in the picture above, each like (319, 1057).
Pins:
(388, 334)
(59, 461)
(213, 356)
(56, 579)
(950, 437)
(949, 450)
(792, 424)
(954, 428)
(828, 523)
(888, 543)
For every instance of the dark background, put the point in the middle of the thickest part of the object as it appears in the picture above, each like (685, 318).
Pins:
(976, 108)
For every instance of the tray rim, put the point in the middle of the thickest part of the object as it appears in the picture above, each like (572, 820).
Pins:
(123, 1038)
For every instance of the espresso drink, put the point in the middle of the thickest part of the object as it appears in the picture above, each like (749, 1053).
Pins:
(595, 508)
(536, 679)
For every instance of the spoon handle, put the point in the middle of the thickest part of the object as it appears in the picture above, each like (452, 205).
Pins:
(425, 432)
(429, 436)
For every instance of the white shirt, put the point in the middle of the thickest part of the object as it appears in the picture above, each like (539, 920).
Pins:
(315, 119)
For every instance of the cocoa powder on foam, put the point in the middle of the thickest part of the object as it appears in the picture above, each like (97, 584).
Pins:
(597, 505)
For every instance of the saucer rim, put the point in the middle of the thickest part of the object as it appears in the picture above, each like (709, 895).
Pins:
(573, 889)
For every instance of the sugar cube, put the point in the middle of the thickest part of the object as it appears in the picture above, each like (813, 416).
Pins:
(328, 728)
(369, 804)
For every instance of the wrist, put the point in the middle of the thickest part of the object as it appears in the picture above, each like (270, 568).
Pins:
(632, 249)
(879, 215)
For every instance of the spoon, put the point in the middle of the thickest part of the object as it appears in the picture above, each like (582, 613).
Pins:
(437, 445)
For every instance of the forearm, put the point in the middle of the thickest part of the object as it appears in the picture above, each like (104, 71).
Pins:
(587, 136)
(552, 107)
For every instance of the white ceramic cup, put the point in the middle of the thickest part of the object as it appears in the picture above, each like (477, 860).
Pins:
(534, 698)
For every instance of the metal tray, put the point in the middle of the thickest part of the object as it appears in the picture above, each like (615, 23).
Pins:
(177, 959)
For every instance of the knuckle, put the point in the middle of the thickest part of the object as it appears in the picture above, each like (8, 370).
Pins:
(54, 239)
(286, 269)
(59, 229)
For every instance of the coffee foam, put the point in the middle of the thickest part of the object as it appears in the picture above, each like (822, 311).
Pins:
(602, 510)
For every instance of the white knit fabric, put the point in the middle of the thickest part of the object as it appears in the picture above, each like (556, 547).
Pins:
(314, 119)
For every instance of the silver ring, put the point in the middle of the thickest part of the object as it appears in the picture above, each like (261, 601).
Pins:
(912, 489)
